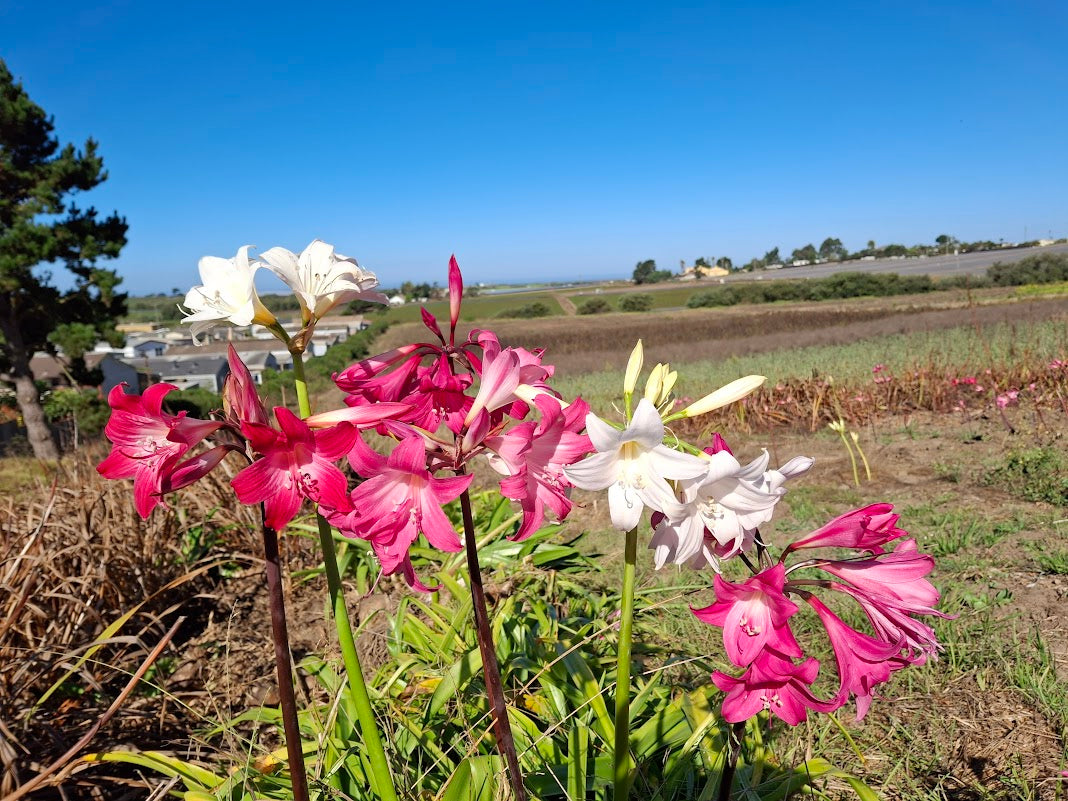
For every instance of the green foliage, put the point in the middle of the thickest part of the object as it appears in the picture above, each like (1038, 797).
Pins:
(87, 408)
(834, 287)
(555, 642)
(195, 401)
(636, 303)
(832, 250)
(1042, 268)
(645, 272)
(595, 306)
(38, 225)
(1035, 474)
(535, 309)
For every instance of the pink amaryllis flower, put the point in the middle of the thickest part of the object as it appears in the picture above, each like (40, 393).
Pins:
(864, 529)
(900, 577)
(533, 457)
(399, 500)
(149, 443)
(864, 662)
(774, 684)
(754, 615)
(892, 622)
(297, 463)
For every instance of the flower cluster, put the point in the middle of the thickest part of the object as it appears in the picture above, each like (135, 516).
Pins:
(706, 507)
(890, 587)
(319, 277)
(439, 403)
(436, 406)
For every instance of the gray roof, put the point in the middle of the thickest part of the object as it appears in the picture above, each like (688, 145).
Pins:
(165, 366)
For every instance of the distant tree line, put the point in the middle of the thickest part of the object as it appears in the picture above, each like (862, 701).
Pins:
(1042, 268)
(831, 249)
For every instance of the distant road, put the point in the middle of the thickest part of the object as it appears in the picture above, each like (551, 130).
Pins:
(964, 264)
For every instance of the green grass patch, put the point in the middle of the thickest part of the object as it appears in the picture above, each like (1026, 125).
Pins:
(1034, 474)
(953, 352)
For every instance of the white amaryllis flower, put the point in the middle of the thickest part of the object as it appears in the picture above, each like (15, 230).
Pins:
(724, 507)
(634, 466)
(226, 296)
(321, 278)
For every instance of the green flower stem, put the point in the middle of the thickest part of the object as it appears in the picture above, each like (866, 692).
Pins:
(621, 753)
(383, 780)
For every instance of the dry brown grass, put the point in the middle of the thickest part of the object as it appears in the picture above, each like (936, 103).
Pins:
(74, 557)
(577, 345)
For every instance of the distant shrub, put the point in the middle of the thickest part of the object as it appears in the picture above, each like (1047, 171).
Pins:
(720, 296)
(595, 306)
(1042, 268)
(536, 309)
(88, 409)
(195, 401)
(636, 303)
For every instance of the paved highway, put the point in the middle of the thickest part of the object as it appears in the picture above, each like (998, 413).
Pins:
(965, 263)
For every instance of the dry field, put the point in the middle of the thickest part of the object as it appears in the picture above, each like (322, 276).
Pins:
(984, 491)
(578, 345)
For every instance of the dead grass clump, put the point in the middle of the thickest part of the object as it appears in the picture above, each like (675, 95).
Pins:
(74, 558)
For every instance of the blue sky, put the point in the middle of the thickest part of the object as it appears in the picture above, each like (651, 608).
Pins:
(552, 140)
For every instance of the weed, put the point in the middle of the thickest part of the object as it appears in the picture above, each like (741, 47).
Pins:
(1050, 561)
(1034, 474)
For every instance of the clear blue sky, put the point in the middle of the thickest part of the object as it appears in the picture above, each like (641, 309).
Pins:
(552, 140)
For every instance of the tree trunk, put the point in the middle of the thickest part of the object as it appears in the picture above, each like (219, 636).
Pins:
(33, 416)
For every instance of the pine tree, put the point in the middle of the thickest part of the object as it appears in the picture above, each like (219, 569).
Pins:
(41, 226)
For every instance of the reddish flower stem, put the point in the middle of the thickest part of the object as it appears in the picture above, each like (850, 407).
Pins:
(283, 665)
(490, 669)
(734, 750)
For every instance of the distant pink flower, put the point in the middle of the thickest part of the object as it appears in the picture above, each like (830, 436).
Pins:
(1007, 398)
(148, 442)
(297, 463)
(774, 684)
(754, 615)
(399, 500)
(533, 457)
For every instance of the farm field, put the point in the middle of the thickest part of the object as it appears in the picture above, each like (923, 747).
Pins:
(980, 484)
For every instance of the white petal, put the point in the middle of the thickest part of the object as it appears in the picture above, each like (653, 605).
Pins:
(603, 436)
(625, 508)
(797, 466)
(755, 469)
(721, 465)
(646, 428)
(674, 464)
(595, 472)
